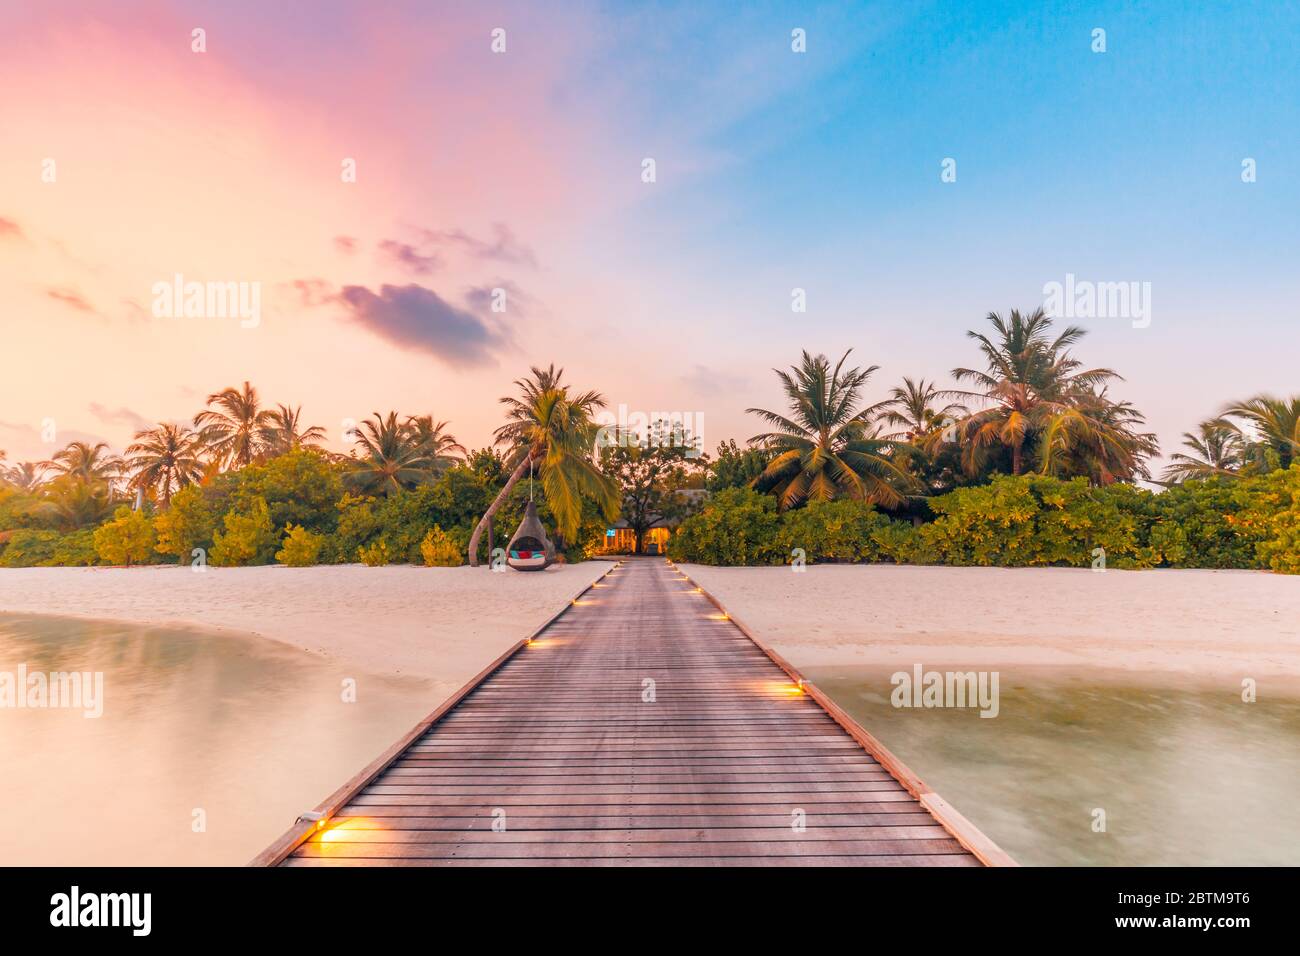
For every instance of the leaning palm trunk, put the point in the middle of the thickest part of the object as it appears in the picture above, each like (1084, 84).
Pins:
(495, 507)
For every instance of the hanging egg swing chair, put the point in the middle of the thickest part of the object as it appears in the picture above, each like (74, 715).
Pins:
(529, 549)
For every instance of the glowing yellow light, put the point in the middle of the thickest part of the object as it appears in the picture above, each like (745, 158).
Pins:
(339, 830)
(548, 642)
(719, 617)
(333, 834)
(697, 590)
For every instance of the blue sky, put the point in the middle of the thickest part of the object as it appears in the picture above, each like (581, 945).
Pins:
(776, 170)
(1115, 166)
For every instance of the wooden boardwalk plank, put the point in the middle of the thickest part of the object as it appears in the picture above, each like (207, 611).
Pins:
(642, 726)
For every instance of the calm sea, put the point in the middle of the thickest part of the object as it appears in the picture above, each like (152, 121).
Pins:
(208, 747)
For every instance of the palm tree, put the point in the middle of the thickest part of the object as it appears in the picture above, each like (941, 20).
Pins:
(1098, 439)
(70, 502)
(555, 432)
(231, 426)
(923, 427)
(911, 410)
(85, 462)
(1276, 424)
(1218, 448)
(1030, 382)
(441, 448)
(165, 457)
(282, 431)
(393, 457)
(825, 448)
(26, 475)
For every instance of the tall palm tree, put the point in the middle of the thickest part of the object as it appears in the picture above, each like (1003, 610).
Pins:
(1276, 424)
(392, 457)
(164, 458)
(231, 426)
(440, 447)
(1029, 383)
(1218, 448)
(282, 431)
(550, 430)
(85, 462)
(825, 447)
(912, 409)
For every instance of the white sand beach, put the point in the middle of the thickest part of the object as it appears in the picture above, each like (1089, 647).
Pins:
(446, 624)
(1187, 625)
(439, 624)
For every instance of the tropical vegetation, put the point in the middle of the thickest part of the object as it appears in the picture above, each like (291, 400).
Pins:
(1027, 458)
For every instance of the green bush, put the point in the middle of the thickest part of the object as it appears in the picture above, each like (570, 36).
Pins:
(1032, 520)
(1271, 515)
(737, 526)
(1208, 533)
(405, 518)
(248, 539)
(301, 548)
(401, 519)
(28, 548)
(127, 539)
(357, 526)
(299, 487)
(378, 553)
(442, 550)
(75, 550)
(832, 531)
(459, 498)
(18, 508)
(900, 542)
(188, 523)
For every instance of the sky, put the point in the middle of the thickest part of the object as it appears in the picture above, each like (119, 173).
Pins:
(517, 178)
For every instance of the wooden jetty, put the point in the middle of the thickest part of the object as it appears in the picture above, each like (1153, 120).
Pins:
(642, 725)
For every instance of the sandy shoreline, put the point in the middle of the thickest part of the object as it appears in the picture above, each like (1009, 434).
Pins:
(446, 624)
(438, 624)
(1175, 626)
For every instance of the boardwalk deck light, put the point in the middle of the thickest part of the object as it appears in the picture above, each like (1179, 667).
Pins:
(313, 816)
